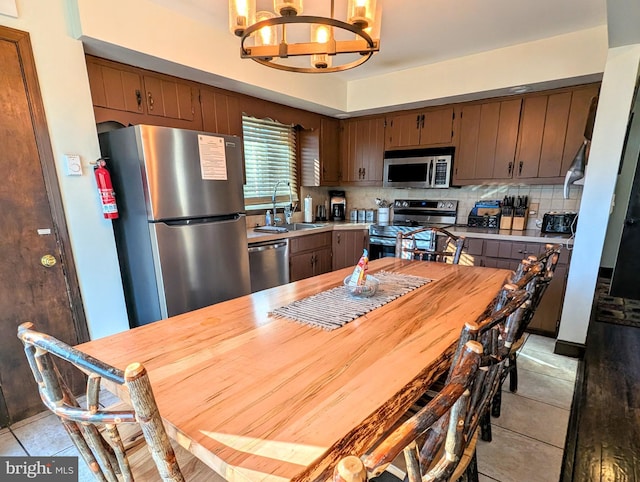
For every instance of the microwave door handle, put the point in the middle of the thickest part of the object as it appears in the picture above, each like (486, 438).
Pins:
(431, 178)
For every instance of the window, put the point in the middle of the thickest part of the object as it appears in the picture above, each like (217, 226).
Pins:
(270, 156)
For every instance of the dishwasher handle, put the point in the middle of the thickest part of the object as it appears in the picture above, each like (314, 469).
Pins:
(267, 246)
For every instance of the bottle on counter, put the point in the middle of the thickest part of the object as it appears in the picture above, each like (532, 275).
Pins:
(268, 221)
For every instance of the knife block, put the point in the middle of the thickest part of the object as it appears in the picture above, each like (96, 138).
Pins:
(520, 222)
(506, 221)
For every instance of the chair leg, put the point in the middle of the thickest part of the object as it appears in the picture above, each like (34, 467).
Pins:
(496, 403)
(471, 472)
(513, 373)
(485, 426)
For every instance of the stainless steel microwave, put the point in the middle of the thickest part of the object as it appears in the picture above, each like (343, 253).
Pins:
(432, 171)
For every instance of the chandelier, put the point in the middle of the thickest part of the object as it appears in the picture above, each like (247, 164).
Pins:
(281, 39)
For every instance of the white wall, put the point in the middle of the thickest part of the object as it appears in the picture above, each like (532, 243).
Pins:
(65, 92)
(616, 95)
(569, 56)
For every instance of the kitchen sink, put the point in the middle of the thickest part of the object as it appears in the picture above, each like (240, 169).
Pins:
(301, 226)
(283, 228)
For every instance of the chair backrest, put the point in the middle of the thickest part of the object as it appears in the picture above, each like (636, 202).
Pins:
(438, 245)
(447, 424)
(92, 429)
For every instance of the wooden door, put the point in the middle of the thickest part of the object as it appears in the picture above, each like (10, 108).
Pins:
(465, 162)
(507, 139)
(373, 150)
(351, 170)
(33, 225)
(348, 247)
(169, 98)
(487, 140)
(113, 88)
(221, 113)
(403, 130)
(555, 132)
(580, 103)
(436, 127)
(329, 152)
(531, 134)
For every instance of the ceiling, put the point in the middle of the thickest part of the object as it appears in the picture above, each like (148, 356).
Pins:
(420, 32)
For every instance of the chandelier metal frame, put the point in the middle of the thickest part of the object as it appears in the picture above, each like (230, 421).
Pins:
(265, 54)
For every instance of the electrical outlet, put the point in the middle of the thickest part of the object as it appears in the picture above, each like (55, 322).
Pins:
(533, 209)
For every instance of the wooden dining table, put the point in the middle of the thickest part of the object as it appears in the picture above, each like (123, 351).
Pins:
(258, 397)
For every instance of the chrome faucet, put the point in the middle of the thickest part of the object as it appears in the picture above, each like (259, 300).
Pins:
(288, 210)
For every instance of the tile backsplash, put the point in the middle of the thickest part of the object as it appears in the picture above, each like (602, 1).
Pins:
(548, 197)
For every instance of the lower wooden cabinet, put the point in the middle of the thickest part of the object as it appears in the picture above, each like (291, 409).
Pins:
(348, 247)
(310, 255)
(508, 255)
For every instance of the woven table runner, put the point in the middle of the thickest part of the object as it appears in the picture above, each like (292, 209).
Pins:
(336, 307)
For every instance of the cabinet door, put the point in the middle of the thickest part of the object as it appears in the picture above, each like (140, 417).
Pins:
(309, 144)
(549, 311)
(578, 113)
(530, 136)
(115, 89)
(301, 266)
(351, 170)
(436, 127)
(362, 150)
(507, 139)
(169, 98)
(373, 151)
(347, 247)
(322, 261)
(465, 161)
(329, 152)
(403, 130)
(221, 113)
(555, 133)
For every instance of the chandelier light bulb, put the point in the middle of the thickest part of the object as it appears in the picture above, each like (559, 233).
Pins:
(242, 14)
(286, 8)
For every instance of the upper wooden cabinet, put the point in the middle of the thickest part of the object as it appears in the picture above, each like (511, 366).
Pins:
(528, 139)
(551, 131)
(114, 88)
(319, 154)
(168, 97)
(487, 144)
(432, 127)
(221, 112)
(362, 150)
(130, 95)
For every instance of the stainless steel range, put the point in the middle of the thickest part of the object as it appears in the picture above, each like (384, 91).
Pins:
(409, 214)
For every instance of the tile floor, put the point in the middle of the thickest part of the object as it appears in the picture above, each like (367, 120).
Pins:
(528, 438)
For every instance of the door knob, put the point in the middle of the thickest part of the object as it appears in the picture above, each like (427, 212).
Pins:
(48, 261)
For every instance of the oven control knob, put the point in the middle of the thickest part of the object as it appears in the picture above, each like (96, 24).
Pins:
(405, 204)
(449, 205)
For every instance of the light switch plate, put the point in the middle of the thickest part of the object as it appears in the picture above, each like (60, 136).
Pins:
(74, 165)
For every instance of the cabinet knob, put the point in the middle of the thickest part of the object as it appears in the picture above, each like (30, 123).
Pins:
(510, 167)
(150, 100)
(48, 261)
(520, 168)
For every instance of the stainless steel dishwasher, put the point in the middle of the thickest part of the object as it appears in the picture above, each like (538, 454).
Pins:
(269, 264)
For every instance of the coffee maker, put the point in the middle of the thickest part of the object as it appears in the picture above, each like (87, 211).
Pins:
(338, 205)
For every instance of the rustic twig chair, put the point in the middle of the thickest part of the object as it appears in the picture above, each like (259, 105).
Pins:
(109, 439)
(534, 275)
(443, 246)
(438, 441)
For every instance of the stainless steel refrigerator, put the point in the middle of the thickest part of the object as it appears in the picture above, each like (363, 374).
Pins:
(181, 234)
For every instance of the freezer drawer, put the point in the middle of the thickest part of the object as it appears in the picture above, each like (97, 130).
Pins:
(200, 263)
(269, 264)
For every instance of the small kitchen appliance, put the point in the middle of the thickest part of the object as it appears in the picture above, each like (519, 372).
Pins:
(559, 222)
(410, 214)
(418, 168)
(338, 205)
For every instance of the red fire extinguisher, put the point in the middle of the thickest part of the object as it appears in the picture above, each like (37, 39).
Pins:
(105, 188)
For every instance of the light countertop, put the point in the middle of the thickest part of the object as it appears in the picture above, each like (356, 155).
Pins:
(528, 235)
